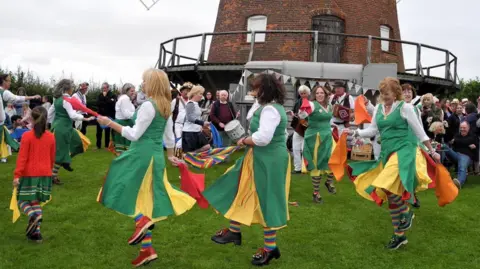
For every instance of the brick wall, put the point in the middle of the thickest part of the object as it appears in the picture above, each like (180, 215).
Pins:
(361, 17)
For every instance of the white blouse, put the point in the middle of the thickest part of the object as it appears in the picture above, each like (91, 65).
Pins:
(124, 108)
(145, 115)
(8, 96)
(407, 112)
(68, 107)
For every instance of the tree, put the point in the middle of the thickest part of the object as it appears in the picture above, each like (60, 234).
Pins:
(469, 89)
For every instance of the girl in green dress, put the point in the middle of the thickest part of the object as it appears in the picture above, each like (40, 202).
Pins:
(136, 184)
(124, 110)
(401, 169)
(255, 190)
(319, 143)
(69, 141)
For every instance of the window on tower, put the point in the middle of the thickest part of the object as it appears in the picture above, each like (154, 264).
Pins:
(257, 23)
(385, 33)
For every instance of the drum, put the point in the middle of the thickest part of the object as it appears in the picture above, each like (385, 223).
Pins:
(234, 130)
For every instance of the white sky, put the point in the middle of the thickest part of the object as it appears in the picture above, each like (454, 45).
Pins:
(115, 40)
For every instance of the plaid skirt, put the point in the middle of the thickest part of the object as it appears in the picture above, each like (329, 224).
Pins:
(34, 189)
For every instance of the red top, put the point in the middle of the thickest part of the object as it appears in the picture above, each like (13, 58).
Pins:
(36, 156)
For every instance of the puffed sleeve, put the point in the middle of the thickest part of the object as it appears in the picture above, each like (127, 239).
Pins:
(269, 120)
(146, 113)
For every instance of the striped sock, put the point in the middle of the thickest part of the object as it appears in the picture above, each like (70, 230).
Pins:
(269, 239)
(330, 178)
(147, 240)
(138, 218)
(316, 184)
(26, 208)
(395, 213)
(402, 205)
(56, 168)
(234, 227)
(36, 208)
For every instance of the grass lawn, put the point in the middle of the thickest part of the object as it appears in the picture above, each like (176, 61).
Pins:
(347, 231)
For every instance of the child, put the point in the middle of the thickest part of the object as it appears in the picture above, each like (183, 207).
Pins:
(17, 128)
(33, 174)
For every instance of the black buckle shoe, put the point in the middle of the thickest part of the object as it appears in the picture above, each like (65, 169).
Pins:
(67, 167)
(226, 236)
(56, 181)
(35, 237)
(330, 187)
(317, 198)
(416, 204)
(263, 257)
(396, 242)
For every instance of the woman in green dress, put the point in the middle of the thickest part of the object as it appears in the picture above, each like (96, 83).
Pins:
(319, 143)
(124, 110)
(136, 184)
(69, 141)
(255, 190)
(401, 169)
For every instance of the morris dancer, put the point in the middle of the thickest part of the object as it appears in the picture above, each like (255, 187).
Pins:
(136, 184)
(69, 141)
(33, 173)
(256, 189)
(401, 169)
(319, 143)
(8, 97)
(124, 110)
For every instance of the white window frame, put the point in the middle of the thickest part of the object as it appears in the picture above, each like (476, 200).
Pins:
(385, 32)
(257, 23)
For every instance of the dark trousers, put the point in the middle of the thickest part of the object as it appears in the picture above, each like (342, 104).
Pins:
(83, 130)
(99, 136)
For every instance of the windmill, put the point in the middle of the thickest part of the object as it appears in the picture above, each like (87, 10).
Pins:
(148, 4)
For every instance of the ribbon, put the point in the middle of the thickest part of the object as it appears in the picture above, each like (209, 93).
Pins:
(207, 159)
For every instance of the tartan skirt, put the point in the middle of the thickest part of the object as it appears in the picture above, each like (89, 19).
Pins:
(35, 189)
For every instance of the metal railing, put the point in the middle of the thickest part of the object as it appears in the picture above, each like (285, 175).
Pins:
(419, 70)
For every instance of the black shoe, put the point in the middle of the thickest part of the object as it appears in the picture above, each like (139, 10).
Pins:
(67, 167)
(396, 242)
(56, 181)
(330, 187)
(263, 257)
(226, 236)
(416, 204)
(36, 237)
(317, 198)
(32, 224)
(296, 172)
(406, 222)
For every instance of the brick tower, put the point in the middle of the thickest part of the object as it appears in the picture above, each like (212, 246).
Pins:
(357, 17)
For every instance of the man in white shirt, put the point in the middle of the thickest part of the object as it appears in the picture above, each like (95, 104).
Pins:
(81, 95)
(341, 98)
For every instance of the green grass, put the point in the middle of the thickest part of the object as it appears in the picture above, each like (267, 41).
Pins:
(347, 231)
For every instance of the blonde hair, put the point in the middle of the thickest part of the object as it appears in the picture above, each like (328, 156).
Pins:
(157, 87)
(196, 90)
(393, 85)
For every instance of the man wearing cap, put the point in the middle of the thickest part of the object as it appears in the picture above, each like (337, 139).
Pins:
(178, 115)
(80, 95)
(341, 98)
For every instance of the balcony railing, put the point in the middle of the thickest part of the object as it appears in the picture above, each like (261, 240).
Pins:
(170, 58)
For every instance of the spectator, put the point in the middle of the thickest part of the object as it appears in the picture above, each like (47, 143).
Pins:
(221, 114)
(106, 107)
(141, 97)
(430, 113)
(81, 95)
(193, 139)
(206, 106)
(27, 116)
(471, 117)
(19, 105)
(10, 110)
(463, 152)
(46, 102)
(178, 115)
(18, 128)
(459, 112)
(453, 122)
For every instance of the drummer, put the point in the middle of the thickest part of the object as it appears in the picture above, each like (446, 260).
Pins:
(221, 114)
(345, 102)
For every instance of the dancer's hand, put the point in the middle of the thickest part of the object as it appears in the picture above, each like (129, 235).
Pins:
(102, 120)
(174, 160)
(436, 157)
(16, 182)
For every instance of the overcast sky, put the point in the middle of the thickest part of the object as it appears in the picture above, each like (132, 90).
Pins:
(115, 40)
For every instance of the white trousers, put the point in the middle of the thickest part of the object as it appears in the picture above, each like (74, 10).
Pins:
(376, 148)
(297, 148)
(178, 135)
